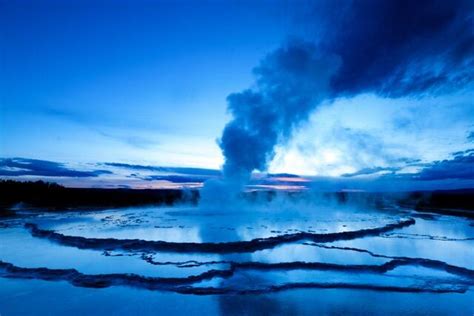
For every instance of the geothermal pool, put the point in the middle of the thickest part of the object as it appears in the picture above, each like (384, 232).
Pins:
(183, 259)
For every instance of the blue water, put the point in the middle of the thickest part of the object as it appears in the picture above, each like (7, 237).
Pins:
(31, 297)
(351, 279)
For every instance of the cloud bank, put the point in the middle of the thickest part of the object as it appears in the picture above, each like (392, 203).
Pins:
(399, 47)
(461, 167)
(45, 168)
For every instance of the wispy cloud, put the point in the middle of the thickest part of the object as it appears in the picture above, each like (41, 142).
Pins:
(176, 178)
(104, 126)
(181, 170)
(132, 140)
(35, 167)
(371, 171)
(470, 137)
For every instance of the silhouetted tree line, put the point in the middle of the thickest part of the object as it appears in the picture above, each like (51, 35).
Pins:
(55, 196)
(447, 202)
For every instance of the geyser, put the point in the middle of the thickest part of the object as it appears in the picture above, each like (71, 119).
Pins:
(389, 48)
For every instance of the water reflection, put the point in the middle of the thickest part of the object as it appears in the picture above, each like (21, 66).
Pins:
(358, 262)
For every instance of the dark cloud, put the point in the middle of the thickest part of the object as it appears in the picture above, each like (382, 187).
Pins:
(399, 47)
(460, 167)
(175, 179)
(181, 170)
(463, 153)
(131, 166)
(282, 175)
(36, 167)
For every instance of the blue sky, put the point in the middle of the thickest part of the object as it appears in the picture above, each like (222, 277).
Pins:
(85, 83)
(135, 82)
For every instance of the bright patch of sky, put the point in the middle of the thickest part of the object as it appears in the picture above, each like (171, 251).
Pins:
(368, 131)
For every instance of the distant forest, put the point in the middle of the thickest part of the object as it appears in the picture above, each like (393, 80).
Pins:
(52, 196)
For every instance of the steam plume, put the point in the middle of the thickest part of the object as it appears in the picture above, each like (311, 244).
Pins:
(390, 48)
(290, 83)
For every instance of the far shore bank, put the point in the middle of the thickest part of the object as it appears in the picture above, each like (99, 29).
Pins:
(15, 195)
